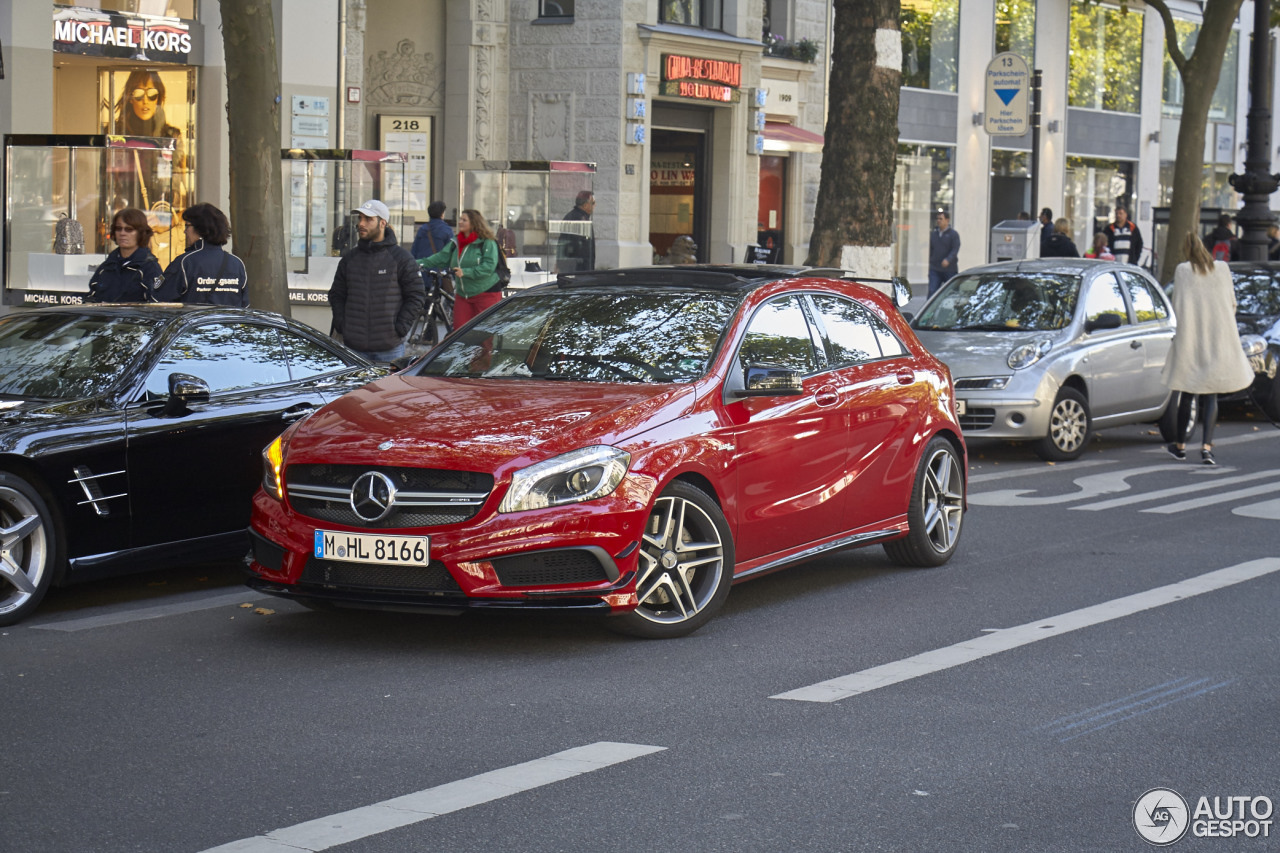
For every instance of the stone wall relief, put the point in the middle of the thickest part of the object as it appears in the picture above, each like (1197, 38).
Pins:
(551, 125)
(403, 78)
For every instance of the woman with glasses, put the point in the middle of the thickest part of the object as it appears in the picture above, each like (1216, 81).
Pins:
(140, 110)
(130, 273)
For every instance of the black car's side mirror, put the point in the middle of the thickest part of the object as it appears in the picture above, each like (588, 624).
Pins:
(1102, 321)
(769, 380)
(185, 389)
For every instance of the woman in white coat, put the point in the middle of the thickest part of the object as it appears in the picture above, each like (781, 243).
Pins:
(1206, 358)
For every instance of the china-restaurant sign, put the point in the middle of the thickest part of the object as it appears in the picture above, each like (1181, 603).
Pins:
(703, 79)
(147, 39)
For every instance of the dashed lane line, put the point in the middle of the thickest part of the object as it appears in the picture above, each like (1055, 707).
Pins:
(835, 689)
(353, 825)
(1210, 500)
(1211, 482)
(118, 616)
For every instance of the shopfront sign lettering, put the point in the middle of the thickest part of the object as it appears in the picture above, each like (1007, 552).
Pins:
(129, 37)
(703, 79)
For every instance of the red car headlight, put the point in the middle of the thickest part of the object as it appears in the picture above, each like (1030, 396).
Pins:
(581, 475)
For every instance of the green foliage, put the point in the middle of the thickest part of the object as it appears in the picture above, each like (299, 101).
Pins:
(930, 45)
(803, 50)
(1106, 58)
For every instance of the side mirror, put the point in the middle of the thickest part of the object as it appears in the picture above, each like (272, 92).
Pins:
(1102, 321)
(768, 380)
(185, 389)
(901, 291)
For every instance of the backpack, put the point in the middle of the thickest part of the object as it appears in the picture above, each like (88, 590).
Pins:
(504, 272)
(68, 236)
(1222, 250)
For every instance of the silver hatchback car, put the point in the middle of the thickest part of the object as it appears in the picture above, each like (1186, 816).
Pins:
(1048, 350)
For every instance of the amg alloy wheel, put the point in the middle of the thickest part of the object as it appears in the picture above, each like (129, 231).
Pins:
(686, 566)
(1069, 427)
(936, 511)
(28, 548)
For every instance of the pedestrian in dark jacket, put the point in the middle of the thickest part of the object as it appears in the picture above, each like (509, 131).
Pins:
(944, 251)
(1046, 227)
(377, 292)
(576, 250)
(434, 234)
(1222, 242)
(1060, 244)
(206, 273)
(130, 273)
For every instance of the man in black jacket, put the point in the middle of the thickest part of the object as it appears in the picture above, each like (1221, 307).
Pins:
(377, 291)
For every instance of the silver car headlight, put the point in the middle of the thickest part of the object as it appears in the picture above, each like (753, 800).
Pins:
(1029, 353)
(581, 475)
(1253, 344)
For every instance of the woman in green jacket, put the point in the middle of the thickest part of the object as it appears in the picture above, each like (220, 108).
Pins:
(472, 256)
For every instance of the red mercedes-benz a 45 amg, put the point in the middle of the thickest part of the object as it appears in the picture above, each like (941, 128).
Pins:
(633, 441)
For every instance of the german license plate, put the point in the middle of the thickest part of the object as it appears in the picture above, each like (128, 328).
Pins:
(372, 548)
(959, 407)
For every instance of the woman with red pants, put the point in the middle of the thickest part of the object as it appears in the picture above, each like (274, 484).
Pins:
(472, 256)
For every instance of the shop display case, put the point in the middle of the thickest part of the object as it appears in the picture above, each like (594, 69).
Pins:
(60, 195)
(530, 199)
(321, 187)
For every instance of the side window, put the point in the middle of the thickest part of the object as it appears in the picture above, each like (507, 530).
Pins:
(308, 358)
(779, 334)
(228, 356)
(1147, 305)
(851, 338)
(1105, 298)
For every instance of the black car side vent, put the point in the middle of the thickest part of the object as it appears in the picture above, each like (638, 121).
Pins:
(93, 489)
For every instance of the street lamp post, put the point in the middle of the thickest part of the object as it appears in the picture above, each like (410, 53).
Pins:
(1257, 183)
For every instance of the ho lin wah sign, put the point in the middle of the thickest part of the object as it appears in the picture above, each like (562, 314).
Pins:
(703, 79)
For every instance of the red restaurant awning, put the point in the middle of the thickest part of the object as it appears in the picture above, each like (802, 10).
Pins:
(779, 136)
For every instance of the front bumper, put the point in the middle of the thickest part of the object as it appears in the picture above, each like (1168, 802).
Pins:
(578, 557)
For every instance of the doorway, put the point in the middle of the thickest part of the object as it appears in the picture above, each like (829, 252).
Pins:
(677, 195)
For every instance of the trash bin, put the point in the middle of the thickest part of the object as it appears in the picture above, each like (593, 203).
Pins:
(1015, 240)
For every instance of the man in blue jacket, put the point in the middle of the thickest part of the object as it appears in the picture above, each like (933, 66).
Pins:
(206, 272)
(434, 234)
(944, 249)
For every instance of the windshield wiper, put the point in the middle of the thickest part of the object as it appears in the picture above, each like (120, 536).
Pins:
(988, 327)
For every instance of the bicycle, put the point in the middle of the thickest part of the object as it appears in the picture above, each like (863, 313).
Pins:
(437, 312)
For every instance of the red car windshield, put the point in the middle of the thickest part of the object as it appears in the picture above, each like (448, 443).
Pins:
(596, 335)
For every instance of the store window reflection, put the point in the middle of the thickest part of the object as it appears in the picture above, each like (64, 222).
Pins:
(1106, 58)
(164, 8)
(1223, 106)
(930, 43)
(1016, 28)
(1095, 187)
(924, 183)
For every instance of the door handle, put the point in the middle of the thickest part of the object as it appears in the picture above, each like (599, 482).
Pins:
(826, 397)
(906, 377)
(297, 412)
(1135, 344)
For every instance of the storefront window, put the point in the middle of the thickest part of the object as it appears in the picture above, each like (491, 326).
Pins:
(1106, 58)
(707, 14)
(1094, 189)
(924, 184)
(151, 103)
(1016, 28)
(930, 44)
(1215, 188)
(1010, 185)
(162, 8)
(1223, 107)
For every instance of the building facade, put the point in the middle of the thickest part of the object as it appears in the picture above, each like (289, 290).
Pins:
(702, 119)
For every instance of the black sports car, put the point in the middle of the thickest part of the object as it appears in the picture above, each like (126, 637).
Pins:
(131, 435)
(1258, 320)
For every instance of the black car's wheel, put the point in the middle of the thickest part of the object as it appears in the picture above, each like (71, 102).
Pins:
(1269, 399)
(1169, 419)
(1069, 428)
(28, 548)
(936, 510)
(686, 566)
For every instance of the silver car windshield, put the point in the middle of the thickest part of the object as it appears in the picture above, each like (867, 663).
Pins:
(67, 356)
(998, 302)
(646, 335)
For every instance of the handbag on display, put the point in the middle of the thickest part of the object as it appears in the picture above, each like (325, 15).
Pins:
(68, 236)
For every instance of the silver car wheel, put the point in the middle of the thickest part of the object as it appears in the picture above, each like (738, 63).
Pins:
(681, 562)
(942, 501)
(1068, 425)
(25, 554)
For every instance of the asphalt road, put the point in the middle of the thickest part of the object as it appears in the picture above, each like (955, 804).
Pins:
(1083, 647)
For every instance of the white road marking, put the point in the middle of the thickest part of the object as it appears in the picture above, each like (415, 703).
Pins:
(1269, 510)
(1197, 503)
(968, 651)
(353, 825)
(1211, 483)
(1088, 487)
(116, 616)
(1040, 469)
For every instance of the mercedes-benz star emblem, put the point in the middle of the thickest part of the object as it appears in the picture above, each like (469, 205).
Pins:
(372, 496)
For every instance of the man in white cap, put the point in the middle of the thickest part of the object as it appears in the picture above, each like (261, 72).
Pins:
(377, 291)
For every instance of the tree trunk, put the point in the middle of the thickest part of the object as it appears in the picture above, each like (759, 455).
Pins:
(1199, 75)
(853, 219)
(253, 119)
